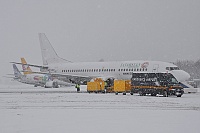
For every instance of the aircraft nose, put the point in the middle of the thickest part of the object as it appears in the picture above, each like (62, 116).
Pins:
(187, 75)
(181, 75)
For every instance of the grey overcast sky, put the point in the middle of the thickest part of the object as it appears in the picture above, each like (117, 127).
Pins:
(89, 30)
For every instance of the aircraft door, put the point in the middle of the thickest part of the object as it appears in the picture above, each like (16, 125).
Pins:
(155, 68)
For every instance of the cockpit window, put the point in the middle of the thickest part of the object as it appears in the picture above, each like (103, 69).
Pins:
(172, 68)
(174, 81)
(169, 78)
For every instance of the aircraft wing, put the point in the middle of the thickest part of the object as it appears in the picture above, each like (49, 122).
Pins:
(60, 74)
(71, 75)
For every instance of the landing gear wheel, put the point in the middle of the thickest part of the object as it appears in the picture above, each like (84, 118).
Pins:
(165, 94)
(140, 93)
(153, 94)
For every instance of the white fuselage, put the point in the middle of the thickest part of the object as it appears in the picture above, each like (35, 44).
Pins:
(35, 79)
(118, 70)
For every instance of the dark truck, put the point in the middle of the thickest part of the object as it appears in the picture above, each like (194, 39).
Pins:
(155, 83)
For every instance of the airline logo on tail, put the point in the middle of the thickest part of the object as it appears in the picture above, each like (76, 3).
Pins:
(25, 67)
(17, 73)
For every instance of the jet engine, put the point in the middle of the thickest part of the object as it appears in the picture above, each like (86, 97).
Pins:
(51, 84)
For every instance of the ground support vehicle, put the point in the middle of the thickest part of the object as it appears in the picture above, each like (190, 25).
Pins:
(122, 86)
(96, 86)
(155, 83)
(160, 90)
(117, 86)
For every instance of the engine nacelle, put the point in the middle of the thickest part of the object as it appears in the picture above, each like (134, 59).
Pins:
(108, 80)
(51, 84)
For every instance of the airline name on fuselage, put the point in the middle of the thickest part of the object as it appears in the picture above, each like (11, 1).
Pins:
(41, 78)
(135, 65)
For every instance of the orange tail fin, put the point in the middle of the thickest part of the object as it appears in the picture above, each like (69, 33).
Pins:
(25, 67)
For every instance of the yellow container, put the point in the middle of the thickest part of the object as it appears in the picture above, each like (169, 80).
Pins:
(122, 85)
(98, 80)
(95, 86)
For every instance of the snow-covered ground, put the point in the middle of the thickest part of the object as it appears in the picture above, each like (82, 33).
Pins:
(25, 109)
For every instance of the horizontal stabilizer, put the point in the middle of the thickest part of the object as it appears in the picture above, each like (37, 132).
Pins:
(10, 77)
(38, 66)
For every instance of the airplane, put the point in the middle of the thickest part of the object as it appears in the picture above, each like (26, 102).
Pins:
(43, 80)
(37, 79)
(33, 79)
(56, 66)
